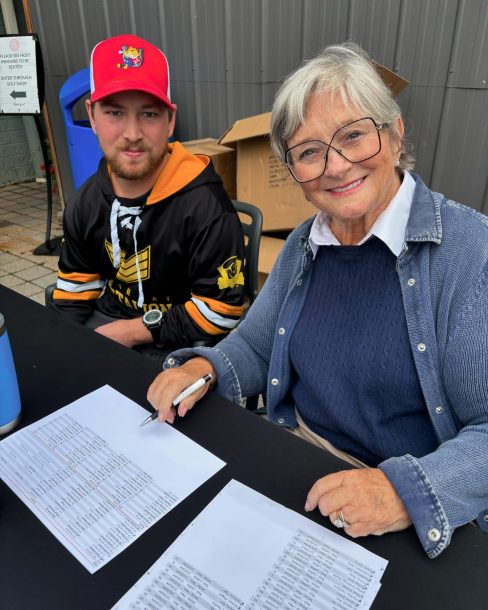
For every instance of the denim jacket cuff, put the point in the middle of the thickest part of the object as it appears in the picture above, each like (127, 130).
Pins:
(227, 381)
(423, 506)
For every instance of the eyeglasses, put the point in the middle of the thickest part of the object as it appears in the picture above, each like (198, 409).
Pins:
(355, 142)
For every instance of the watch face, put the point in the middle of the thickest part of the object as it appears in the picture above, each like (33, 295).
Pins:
(153, 316)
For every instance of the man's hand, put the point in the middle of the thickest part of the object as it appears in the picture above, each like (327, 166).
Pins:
(126, 332)
(168, 384)
(368, 501)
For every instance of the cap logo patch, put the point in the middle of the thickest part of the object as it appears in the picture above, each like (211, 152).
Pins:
(131, 57)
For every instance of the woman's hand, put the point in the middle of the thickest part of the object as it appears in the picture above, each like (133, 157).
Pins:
(168, 384)
(367, 499)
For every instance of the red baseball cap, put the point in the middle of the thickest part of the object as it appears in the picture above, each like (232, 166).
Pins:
(129, 63)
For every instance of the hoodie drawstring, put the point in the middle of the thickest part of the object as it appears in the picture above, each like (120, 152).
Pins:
(125, 214)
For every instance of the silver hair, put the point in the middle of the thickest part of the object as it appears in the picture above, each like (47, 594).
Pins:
(343, 69)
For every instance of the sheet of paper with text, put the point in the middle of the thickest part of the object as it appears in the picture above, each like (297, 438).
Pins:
(246, 551)
(95, 478)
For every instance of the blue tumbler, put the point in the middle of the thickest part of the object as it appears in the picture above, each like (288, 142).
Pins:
(9, 389)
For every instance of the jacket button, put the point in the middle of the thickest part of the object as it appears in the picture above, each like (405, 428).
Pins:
(171, 361)
(281, 420)
(274, 382)
(485, 517)
(421, 347)
(299, 282)
(434, 534)
(411, 281)
(439, 410)
(281, 331)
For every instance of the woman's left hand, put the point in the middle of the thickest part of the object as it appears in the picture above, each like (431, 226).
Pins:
(367, 499)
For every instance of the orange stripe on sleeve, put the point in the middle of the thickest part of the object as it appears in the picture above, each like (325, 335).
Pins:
(79, 277)
(88, 295)
(220, 307)
(201, 321)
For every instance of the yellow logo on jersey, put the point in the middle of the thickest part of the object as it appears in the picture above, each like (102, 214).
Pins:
(230, 273)
(127, 271)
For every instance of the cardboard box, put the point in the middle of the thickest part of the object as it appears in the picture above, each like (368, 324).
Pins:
(395, 82)
(263, 180)
(223, 157)
(269, 249)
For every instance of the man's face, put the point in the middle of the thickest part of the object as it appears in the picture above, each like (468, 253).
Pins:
(133, 129)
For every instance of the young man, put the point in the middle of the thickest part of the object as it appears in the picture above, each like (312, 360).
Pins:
(153, 248)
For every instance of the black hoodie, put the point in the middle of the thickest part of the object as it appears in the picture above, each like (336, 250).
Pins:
(189, 253)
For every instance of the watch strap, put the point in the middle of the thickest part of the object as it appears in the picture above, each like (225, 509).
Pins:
(154, 329)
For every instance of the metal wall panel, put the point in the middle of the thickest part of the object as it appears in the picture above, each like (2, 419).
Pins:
(461, 163)
(470, 58)
(243, 54)
(228, 57)
(374, 24)
(324, 22)
(425, 40)
(423, 54)
(422, 107)
(281, 38)
(460, 159)
(208, 59)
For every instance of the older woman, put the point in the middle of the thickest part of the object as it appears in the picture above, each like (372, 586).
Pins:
(370, 336)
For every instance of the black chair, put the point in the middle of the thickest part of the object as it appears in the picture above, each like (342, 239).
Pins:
(252, 223)
(48, 293)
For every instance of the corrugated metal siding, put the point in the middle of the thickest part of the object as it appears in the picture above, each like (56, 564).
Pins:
(461, 164)
(425, 38)
(469, 63)
(461, 156)
(228, 57)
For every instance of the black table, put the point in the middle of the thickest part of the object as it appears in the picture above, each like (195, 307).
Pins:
(58, 362)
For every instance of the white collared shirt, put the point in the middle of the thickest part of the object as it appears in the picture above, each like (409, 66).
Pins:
(389, 226)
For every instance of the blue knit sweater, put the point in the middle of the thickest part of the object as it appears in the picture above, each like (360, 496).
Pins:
(443, 275)
(356, 383)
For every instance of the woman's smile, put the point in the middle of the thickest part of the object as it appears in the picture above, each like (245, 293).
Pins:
(347, 189)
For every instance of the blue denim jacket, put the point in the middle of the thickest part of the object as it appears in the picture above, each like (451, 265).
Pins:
(443, 273)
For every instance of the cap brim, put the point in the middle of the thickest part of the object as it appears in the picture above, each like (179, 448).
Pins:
(113, 87)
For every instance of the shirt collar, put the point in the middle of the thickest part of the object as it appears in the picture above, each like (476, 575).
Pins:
(389, 226)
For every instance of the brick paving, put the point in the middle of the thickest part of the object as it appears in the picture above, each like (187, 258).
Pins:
(23, 217)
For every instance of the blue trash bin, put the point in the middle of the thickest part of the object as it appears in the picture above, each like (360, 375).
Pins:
(84, 152)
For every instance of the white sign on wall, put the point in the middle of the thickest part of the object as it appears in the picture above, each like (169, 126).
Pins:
(19, 91)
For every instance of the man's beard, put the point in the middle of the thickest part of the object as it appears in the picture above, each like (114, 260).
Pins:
(137, 171)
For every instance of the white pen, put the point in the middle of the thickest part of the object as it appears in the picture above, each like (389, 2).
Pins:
(199, 383)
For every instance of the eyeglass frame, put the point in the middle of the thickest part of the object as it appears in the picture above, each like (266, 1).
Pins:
(378, 128)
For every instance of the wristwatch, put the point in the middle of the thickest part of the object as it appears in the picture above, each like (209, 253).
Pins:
(152, 320)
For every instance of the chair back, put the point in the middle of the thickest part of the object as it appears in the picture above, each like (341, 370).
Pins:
(48, 293)
(252, 223)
